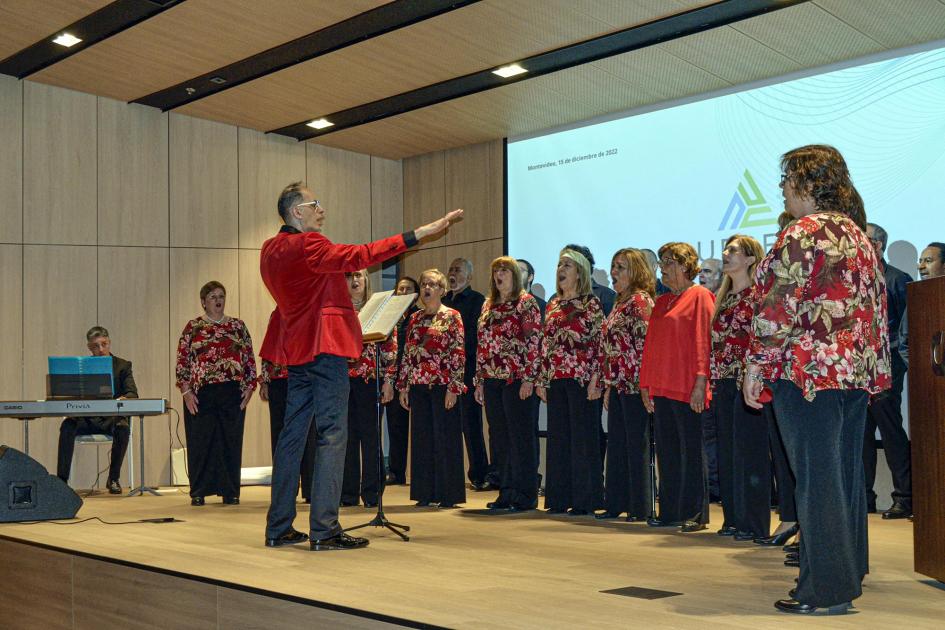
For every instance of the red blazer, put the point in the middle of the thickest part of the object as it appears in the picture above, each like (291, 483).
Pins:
(305, 273)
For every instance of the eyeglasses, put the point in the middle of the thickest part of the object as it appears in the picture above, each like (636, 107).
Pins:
(784, 177)
(667, 262)
(309, 203)
(430, 285)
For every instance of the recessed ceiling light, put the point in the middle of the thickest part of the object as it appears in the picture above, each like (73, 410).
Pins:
(509, 71)
(67, 40)
(321, 123)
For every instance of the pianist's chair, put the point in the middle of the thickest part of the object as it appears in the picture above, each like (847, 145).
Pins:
(97, 440)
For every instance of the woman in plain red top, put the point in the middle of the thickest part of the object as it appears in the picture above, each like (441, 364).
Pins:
(674, 386)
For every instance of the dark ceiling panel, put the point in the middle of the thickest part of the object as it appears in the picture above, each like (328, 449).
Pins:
(109, 20)
(378, 21)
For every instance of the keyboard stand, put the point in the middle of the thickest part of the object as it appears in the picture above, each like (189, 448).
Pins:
(141, 489)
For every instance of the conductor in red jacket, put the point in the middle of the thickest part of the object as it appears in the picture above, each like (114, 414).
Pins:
(318, 331)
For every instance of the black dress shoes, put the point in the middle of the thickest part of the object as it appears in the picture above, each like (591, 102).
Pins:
(796, 607)
(744, 536)
(197, 500)
(778, 539)
(523, 508)
(340, 542)
(370, 504)
(291, 537)
(692, 526)
(231, 500)
(656, 522)
(605, 516)
(727, 530)
(498, 505)
(480, 486)
(898, 510)
(577, 512)
(115, 488)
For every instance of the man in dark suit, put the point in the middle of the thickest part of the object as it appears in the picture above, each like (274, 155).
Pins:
(884, 411)
(315, 333)
(99, 344)
(469, 304)
(528, 277)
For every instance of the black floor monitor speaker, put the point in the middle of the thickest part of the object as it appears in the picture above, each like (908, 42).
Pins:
(30, 493)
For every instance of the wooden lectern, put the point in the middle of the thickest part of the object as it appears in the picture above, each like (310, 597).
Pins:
(926, 313)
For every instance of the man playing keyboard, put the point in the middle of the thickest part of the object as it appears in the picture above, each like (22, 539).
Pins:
(99, 345)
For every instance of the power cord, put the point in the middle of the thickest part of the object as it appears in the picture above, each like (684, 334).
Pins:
(179, 440)
(161, 519)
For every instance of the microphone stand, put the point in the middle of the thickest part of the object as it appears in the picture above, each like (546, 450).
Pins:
(652, 519)
(380, 520)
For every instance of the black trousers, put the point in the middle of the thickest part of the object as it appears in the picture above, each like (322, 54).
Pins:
(398, 429)
(215, 441)
(783, 475)
(710, 442)
(744, 464)
(628, 456)
(513, 433)
(573, 477)
(436, 455)
(683, 490)
(471, 417)
(115, 426)
(361, 474)
(885, 413)
(824, 442)
(278, 391)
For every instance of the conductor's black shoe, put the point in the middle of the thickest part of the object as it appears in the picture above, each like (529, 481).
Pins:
(796, 607)
(231, 500)
(340, 542)
(898, 510)
(692, 526)
(498, 505)
(115, 488)
(196, 500)
(291, 537)
(727, 530)
(603, 516)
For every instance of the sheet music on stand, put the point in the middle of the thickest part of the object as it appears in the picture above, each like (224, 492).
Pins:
(381, 313)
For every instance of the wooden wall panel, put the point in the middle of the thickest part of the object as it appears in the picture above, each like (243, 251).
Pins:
(424, 191)
(474, 182)
(387, 198)
(59, 165)
(132, 175)
(341, 181)
(11, 160)
(417, 261)
(203, 183)
(190, 270)
(134, 305)
(267, 164)
(108, 595)
(11, 332)
(36, 589)
(59, 306)
(255, 306)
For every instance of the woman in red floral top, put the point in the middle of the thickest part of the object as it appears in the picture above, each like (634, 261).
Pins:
(569, 383)
(628, 422)
(430, 381)
(744, 465)
(674, 377)
(506, 369)
(361, 474)
(216, 374)
(820, 329)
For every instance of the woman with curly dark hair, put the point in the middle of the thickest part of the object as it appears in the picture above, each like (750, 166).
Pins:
(820, 344)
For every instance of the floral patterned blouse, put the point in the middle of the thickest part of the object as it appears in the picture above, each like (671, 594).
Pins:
(622, 337)
(269, 371)
(509, 341)
(434, 352)
(731, 334)
(363, 366)
(215, 353)
(570, 347)
(821, 319)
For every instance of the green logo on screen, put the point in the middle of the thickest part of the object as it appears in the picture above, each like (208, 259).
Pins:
(748, 207)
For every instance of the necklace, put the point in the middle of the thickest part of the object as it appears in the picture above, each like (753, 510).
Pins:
(215, 321)
(676, 295)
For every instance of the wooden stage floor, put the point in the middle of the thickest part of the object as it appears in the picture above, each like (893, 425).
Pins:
(467, 570)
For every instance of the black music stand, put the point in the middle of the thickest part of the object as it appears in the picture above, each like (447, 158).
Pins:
(380, 520)
(652, 519)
